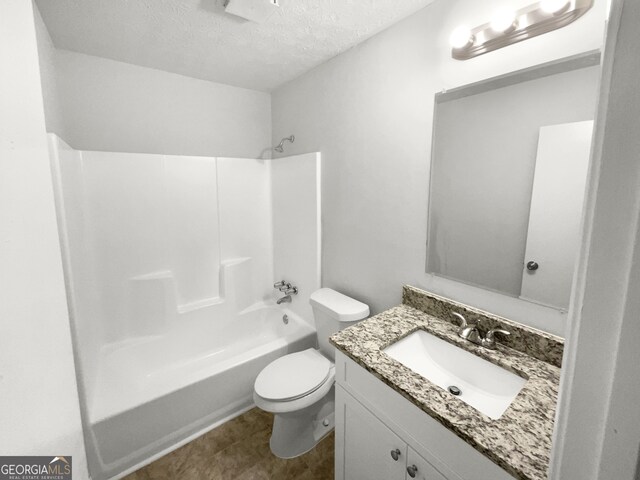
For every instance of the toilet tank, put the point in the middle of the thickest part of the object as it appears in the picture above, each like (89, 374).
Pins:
(333, 311)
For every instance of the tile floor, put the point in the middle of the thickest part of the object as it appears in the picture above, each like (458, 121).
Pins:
(239, 450)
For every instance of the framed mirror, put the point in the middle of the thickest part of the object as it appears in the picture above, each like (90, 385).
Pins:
(509, 166)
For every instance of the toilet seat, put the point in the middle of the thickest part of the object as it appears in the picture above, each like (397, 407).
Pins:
(293, 376)
(299, 404)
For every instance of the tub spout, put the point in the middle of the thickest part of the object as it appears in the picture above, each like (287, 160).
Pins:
(285, 299)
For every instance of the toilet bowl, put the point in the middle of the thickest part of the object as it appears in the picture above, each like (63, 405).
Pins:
(298, 388)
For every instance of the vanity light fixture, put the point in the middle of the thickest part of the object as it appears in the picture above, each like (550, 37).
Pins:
(504, 21)
(508, 27)
(461, 37)
(554, 6)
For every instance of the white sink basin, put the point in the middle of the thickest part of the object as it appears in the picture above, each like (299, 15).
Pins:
(482, 384)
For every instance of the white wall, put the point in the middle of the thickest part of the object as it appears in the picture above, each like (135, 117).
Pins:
(296, 226)
(598, 425)
(369, 111)
(98, 104)
(118, 107)
(39, 411)
(47, 54)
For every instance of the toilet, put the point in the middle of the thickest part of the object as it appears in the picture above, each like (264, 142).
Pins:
(299, 387)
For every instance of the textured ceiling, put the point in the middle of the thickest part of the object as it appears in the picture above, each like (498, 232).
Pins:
(198, 39)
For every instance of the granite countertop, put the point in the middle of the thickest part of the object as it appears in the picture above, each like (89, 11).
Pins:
(519, 441)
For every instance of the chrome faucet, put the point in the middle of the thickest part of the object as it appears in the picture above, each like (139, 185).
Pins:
(471, 333)
(286, 288)
(285, 299)
(468, 331)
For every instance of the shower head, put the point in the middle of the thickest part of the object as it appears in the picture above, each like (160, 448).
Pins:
(280, 147)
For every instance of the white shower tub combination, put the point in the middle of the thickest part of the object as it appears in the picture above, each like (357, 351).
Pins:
(153, 393)
(169, 264)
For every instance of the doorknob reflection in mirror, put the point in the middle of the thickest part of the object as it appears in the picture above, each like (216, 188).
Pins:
(532, 265)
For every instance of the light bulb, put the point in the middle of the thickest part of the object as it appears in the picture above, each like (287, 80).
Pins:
(554, 6)
(461, 37)
(503, 21)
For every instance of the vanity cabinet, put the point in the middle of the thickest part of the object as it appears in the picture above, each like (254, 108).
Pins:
(373, 451)
(380, 435)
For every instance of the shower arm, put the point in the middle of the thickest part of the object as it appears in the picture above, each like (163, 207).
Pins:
(280, 147)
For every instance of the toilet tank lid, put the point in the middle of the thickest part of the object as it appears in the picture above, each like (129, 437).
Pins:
(339, 306)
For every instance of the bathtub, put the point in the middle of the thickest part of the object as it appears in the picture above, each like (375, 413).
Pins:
(157, 392)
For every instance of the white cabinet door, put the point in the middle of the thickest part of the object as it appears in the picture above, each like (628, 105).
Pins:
(419, 469)
(369, 449)
(555, 217)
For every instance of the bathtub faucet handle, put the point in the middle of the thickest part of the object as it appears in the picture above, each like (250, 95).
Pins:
(286, 287)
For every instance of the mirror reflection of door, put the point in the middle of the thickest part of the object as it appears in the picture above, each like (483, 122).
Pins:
(553, 237)
(498, 198)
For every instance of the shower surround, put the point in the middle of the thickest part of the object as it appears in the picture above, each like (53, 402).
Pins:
(169, 265)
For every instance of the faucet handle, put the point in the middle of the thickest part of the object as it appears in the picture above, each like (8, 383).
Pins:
(463, 321)
(467, 330)
(489, 341)
(491, 333)
(279, 284)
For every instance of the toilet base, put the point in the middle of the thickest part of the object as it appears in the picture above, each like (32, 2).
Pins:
(295, 433)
